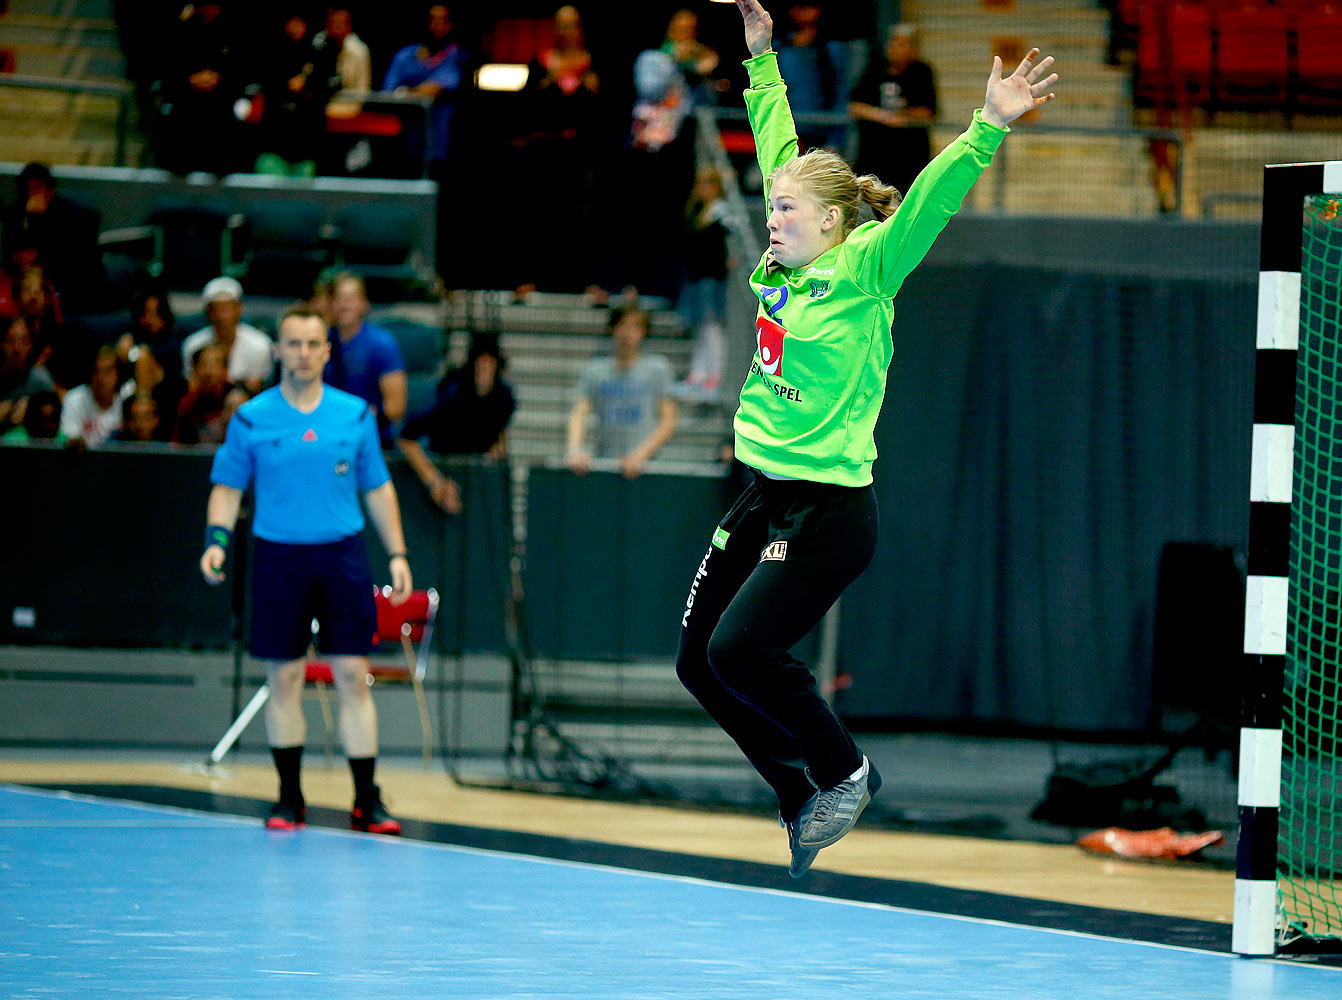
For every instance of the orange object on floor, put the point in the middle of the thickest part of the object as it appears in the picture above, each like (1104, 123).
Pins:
(1164, 844)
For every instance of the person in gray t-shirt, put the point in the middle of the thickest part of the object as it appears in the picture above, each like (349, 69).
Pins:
(630, 394)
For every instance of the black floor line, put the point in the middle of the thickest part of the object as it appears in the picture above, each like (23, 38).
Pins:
(1202, 934)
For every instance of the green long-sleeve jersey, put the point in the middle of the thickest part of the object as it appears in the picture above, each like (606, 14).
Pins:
(809, 404)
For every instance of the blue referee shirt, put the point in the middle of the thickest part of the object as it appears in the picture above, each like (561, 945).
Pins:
(310, 468)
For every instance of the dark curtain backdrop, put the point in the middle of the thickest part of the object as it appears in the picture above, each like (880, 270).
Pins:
(1045, 434)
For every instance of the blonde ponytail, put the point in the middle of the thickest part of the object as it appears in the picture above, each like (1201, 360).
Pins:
(882, 198)
(828, 179)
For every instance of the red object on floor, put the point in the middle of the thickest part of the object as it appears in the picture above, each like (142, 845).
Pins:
(1165, 844)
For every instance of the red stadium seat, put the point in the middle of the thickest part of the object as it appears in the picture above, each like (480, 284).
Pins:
(1151, 82)
(1318, 70)
(400, 656)
(1251, 55)
(518, 39)
(1190, 28)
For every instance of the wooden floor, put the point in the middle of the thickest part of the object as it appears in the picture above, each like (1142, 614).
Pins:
(1038, 871)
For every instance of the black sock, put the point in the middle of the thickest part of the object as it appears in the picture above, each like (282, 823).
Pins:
(289, 762)
(362, 769)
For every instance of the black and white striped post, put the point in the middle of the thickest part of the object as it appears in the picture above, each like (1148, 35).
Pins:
(1265, 602)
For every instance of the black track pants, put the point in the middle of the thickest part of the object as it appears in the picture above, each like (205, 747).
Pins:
(790, 549)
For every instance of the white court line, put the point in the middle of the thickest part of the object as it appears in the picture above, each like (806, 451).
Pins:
(224, 819)
(107, 824)
(402, 842)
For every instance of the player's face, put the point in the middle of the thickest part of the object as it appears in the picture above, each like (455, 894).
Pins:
(798, 233)
(302, 348)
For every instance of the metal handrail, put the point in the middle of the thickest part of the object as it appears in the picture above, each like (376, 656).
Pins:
(105, 88)
(123, 92)
(839, 119)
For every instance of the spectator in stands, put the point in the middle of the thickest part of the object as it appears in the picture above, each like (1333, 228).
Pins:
(437, 67)
(630, 394)
(565, 69)
(469, 417)
(153, 327)
(22, 374)
(235, 398)
(365, 358)
(41, 420)
(91, 412)
(353, 62)
(695, 60)
(151, 350)
(139, 420)
(434, 67)
(703, 297)
(200, 414)
(296, 83)
(658, 156)
(815, 70)
(564, 90)
(38, 301)
(319, 301)
(45, 228)
(349, 153)
(250, 356)
(892, 103)
(663, 102)
(67, 358)
(202, 82)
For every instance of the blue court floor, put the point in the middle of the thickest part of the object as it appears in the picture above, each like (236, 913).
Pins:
(108, 899)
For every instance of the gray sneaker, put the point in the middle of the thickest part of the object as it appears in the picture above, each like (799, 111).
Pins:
(801, 856)
(833, 811)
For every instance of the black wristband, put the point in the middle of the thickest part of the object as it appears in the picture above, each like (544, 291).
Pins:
(399, 555)
(217, 534)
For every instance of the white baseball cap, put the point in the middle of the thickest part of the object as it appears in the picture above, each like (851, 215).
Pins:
(221, 290)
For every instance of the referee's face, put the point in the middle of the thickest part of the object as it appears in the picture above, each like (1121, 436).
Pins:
(302, 348)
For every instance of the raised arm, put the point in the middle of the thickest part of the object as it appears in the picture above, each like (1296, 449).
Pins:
(766, 99)
(759, 26)
(884, 256)
(1025, 89)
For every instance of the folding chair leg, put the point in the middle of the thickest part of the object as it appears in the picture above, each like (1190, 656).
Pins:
(239, 724)
(425, 726)
(324, 699)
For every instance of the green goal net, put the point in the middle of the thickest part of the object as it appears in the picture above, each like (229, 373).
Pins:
(1310, 839)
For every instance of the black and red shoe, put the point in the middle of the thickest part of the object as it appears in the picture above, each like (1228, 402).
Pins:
(287, 816)
(371, 816)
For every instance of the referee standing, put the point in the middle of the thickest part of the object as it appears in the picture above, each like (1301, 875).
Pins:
(311, 451)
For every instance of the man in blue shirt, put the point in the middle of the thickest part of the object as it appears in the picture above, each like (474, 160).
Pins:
(434, 68)
(365, 358)
(310, 451)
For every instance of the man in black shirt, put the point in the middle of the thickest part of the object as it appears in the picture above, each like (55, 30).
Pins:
(892, 103)
(469, 417)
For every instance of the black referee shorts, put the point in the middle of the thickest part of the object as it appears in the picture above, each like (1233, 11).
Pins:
(293, 584)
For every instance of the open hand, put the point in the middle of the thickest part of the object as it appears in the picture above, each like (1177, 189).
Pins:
(758, 24)
(1010, 97)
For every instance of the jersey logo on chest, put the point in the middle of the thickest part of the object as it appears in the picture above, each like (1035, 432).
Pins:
(309, 435)
(769, 333)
